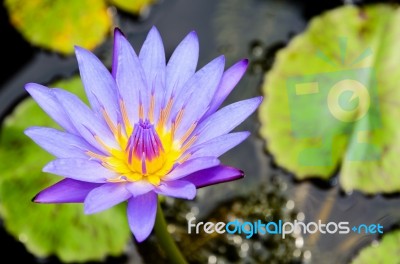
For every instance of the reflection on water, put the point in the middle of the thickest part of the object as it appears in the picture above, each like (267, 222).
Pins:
(238, 23)
(266, 203)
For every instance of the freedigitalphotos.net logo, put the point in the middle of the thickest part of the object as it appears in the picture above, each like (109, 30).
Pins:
(335, 105)
(249, 229)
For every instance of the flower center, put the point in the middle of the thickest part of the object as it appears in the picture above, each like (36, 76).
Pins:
(144, 144)
(146, 153)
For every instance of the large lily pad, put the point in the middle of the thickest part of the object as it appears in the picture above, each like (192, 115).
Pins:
(46, 229)
(59, 25)
(387, 251)
(333, 100)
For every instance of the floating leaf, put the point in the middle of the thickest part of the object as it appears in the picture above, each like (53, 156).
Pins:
(133, 6)
(387, 251)
(332, 99)
(47, 229)
(59, 25)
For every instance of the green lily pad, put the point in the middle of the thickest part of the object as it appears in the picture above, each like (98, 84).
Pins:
(132, 6)
(332, 100)
(387, 251)
(59, 25)
(50, 229)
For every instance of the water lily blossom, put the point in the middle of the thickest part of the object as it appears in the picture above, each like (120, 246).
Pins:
(152, 128)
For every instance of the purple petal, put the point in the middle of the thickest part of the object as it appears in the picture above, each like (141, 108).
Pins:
(50, 104)
(152, 58)
(142, 215)
(182, 65)
(139, 187)
(230, 78)
(99, 85)
(85, 121)
(191, 166)
(65, 191)
(177, 189)
(197, 94)
(226, 119)
(106, 196)
(80, 169)
(214, 175)
(218, 146)
(58, 143)
(130, 77)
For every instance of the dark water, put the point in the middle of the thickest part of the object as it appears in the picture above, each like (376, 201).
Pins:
(253, 29)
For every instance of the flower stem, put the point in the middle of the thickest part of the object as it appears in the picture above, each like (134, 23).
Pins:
(165, 239)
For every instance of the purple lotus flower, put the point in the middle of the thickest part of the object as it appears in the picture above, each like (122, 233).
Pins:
(152, 128)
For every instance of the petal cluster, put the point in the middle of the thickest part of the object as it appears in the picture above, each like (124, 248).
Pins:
(151, 128)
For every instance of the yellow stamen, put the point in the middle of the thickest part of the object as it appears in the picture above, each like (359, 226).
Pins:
(151, 110)
(135, 176)
(101, 142)
(173, 127)
(188, 133)
(153, 179)
(108, 121)
(95, 155)
(128, 126)
(141, 112)
(120, 137)
(188, 144)
(168, 108)
(185, 158)
(108, 166)
(165, 114)
(179, 117)
(117, 180)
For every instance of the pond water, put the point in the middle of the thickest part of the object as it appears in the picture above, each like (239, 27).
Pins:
(253, 29)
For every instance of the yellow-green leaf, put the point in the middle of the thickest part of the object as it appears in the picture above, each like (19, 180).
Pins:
(59, 25)
(132, 6)
(47, 229)
(387, 251)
